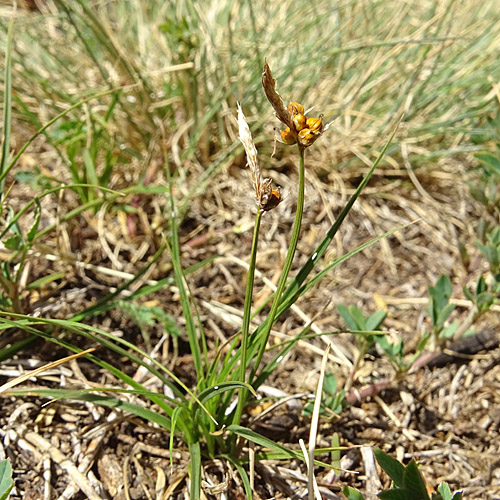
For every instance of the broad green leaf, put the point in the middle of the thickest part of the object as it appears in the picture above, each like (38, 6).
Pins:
(485, 300)
(440, 294)
(330, 384)
(27, 176)
(14, 242)
(346, 315)
(443, 285)
(443, 315)
(374, 321)
(397, 494)
(393, 468)
(414, 482)
(449, 331)
(359, 317)
(491, 253)
(6, 482)
(444, 491)
(352, 494)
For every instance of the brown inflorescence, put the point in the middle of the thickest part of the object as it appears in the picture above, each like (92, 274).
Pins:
(299, 128)
(266, 196)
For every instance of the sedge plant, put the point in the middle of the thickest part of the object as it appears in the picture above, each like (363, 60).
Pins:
(203, 418)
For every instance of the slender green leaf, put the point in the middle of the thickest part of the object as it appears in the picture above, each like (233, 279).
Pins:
(224, 387)
(140, 411)
(444, 314)
(260, 440)
(177, 413)
(7, 109)
(194, 342)
(45, 280)
(325, 243)
(41, 130)
(195, 470)
(30, 236)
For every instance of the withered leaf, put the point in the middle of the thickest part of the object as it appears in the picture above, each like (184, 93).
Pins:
(269, 84)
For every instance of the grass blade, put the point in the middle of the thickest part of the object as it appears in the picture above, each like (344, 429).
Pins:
(179, 280)
(195, 470)
(7, 108)
(134, 409)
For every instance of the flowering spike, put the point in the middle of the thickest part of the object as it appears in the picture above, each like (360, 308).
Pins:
(250, 150)
(267, 198)
(296, 110)
(299, 128)
(288, 136)
(270, 198)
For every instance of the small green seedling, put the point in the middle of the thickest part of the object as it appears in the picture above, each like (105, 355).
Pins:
(439, 310)
(407, 483)
(362, 326)
(491, 249)
(146, 316)
(483, 296)
(332, 401)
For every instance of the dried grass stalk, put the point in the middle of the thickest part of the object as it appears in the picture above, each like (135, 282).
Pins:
(251, 152)
(266, 196)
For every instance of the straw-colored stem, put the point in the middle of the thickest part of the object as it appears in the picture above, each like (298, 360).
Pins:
(287, 266)
(245, 327)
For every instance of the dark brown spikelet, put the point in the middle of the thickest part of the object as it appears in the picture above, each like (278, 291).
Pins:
(269, 84)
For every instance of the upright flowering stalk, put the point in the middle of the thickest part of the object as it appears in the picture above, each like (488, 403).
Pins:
(303, 131)
(300, 130)
(267, 198)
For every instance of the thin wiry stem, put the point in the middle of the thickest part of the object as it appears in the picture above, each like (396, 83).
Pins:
(286, 267)
(245, 327)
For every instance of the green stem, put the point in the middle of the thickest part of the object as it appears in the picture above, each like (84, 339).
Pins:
(286, 267)
(247, 311)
